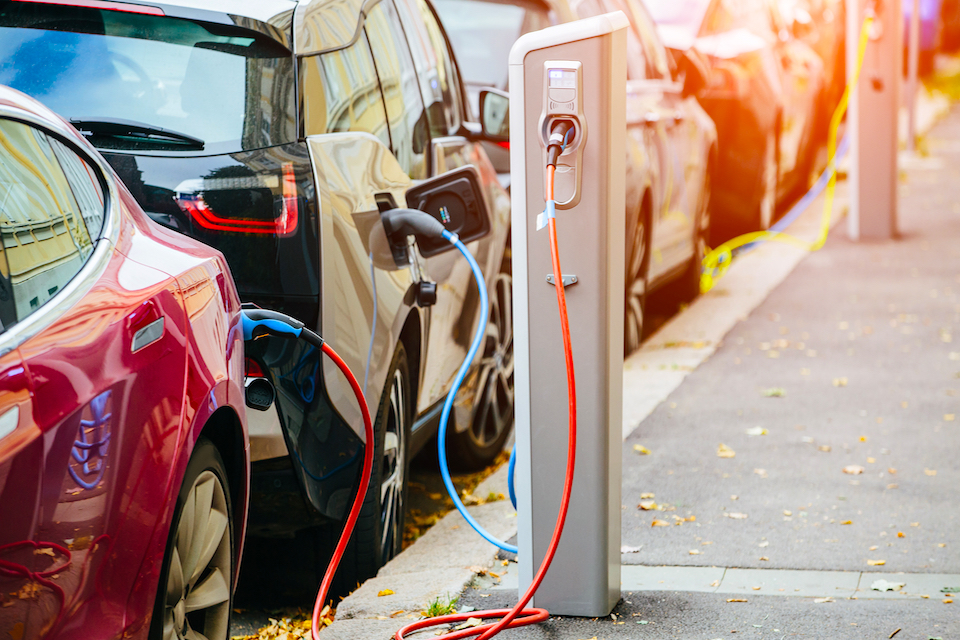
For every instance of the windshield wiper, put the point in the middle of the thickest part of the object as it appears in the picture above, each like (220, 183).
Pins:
(134, 132)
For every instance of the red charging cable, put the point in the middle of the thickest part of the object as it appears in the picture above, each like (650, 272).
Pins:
(518, 616)
(361, 491)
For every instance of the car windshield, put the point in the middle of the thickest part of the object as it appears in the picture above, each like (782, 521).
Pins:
(483, 32)
(686, 14)
(93, 66)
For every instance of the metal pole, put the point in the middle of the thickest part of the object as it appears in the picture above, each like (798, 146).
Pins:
(913, 63)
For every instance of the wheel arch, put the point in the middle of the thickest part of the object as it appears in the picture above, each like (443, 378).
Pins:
(411, 337)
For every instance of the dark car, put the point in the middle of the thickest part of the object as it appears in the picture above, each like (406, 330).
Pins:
(124, 468)
(278, 131)
(764, 93)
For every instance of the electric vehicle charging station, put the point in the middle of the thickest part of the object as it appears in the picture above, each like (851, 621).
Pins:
(573, 72)
(872, 119)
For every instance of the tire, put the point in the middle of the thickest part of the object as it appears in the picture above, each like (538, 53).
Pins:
(378, 534)
(203, 513)
(635, 282)
(478, 445)
(701, 235)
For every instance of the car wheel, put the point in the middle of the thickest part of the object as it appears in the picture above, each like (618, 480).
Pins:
(378, 533)
(635, 298)
(195, 592)
(767, 206)
(701, 236)
(477, 446)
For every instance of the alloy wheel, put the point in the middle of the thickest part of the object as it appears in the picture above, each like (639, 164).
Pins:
(197, 604)
(636, 288)
(494, 395)
(393, 466)
(768, 199)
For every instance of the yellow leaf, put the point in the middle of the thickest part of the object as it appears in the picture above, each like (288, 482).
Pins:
(914, 524)
(949, 417)
(642, 450)
(385, 592)
(948, 601)
(659, 523)
(736, 599)
(853, 469)
(764, 558)
(863, 438)
(16, 632)
(839, 382)
(787, 512)
(874, 548)
(694, 552)
(847, 522)
(648, 505)
(646, 496)
(930, 472)
(723, 451)
(876, 563)
(824, 447)
(871, 460)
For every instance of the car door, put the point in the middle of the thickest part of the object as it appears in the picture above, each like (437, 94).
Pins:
(103, 340)
(453, 318)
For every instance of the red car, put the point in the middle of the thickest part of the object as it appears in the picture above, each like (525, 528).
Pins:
(124, 457)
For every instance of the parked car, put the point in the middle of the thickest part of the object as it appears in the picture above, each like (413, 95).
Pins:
(763, 93)
(123, 446)
(822, 25)
(277, 132)
(671, 142)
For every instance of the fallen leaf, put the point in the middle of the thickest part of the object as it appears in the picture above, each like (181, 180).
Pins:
(642, 450)
(735, 516)
(930, 472)
(876, 563)
(734, 497)
(629, 549)
(723, 451)
(839, 382)
(385, 592)
(757, 431)
(480, 571)
(948, 601)
(871, 460)
(941, 544)
(847, 522)
(736, 600)
(646, 496)
(715, 583)
(853, 469)
(761, 472)
(694, 552)
(649, 505)
(16, 631)
(891, 471)
(756, 588)
(470, 622)
(764, 559)
(825, 448)
(775, 392)
(914, 524)
(823, 600)
(883, 585)
(787, 512)
(893, 486)
(873, 548)
(765, 543)
(659, 523)
(900, 534)
(949, 417)
(863, 438)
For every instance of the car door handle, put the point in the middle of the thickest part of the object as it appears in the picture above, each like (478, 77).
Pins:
(146, 325)
(9, 421)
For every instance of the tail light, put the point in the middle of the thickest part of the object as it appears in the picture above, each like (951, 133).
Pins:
(252, 369)
(504, 144)
(203, 214)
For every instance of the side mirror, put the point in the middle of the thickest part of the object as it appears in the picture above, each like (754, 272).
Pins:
(455, 199)
(495, 115)
(695, 70)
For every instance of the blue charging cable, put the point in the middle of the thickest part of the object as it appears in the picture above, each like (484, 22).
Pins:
(452, 394)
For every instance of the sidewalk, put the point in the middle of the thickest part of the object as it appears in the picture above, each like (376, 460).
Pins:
(859, 341)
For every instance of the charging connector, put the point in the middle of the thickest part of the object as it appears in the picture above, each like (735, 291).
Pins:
(562, 132)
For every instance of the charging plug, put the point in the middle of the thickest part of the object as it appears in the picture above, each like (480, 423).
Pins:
(560, 131)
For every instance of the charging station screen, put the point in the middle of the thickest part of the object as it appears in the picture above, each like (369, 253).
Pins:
(562, 78)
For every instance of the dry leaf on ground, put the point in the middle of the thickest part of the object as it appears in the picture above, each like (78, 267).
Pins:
(823, 600)
(736, 516)
(876, 563)
(883, 585)
(642, 450)
(646, 496)
(736, 600)
(723, 451)
(649, 505)
(774, 392)
(853, 469)
(839, 382)
(930, 472)
(757, 431)
(659, 523)
(384, 592)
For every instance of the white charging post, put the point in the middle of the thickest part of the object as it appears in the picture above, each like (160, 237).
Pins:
(872, 118)
(577, 72)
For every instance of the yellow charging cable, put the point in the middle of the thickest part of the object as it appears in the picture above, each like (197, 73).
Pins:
(718, 260)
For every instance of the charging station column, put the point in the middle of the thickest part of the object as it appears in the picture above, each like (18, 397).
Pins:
(872, 119)
(574, 72)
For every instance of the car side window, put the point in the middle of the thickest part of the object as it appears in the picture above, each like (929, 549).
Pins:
(439, 83)
(658, 62)
(48, 196)
(406, 115)
(341, 92)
